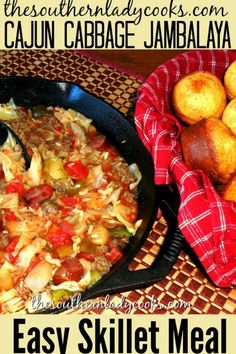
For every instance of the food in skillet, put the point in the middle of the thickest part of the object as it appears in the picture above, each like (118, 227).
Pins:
(65, 220)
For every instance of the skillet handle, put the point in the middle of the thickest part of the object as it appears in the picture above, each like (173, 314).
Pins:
(124, 279)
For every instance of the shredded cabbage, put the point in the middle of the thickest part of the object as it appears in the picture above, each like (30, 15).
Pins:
(137, 174)
(9, 201)
(69, 116)
(78, 131)
(33, 176)
(10, 143)
(8, 167)
(7, 111)
(28, 252)
(120, 212)
(38, 277)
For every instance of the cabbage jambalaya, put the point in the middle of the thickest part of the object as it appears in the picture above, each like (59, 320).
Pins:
(66, 219)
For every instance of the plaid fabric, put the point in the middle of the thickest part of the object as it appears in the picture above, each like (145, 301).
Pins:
(205, 219)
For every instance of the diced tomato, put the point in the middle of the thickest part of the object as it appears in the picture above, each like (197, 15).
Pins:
(106, 166)
(131, 213)
(71, 270)
(88, 256)
(76, 169)
(16, 186)
(0, 308)
(125, 187)
(36, 195)
(10, 249)
(12, 244)
(123, 198)
(112, 152)
(112, 177)
(131, 217)
(98, 142)
(12, 259)
(58, 128)
(97, 217)
(57, 237)
(114, 255)
(69, 201)
(66, 227)
(72, 201)
(65, 211)
(10, 216)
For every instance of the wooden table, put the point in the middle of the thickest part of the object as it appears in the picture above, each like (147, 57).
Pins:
(140, 61)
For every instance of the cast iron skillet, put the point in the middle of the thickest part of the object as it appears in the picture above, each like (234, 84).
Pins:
(29, 92)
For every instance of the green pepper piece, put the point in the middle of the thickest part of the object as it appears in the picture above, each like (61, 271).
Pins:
(74, 189)
(39, 111)
(120, 232)
(95, 277)
(57, 295)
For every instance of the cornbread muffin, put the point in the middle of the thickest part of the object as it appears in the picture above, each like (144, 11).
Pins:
(210, 145)
(229, 115)
(229, 191)
(230, 80)
(198, 95)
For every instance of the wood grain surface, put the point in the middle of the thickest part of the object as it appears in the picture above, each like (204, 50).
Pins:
(140, 61)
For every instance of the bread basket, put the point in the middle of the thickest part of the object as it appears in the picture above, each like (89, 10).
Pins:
(207, 222)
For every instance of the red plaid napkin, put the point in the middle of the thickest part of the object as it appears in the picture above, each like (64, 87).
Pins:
(207, 221)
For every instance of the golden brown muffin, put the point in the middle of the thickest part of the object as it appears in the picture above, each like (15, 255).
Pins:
(229, 115)
(198, 95)
(229, 191)
(230, 80)
(210, 145)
